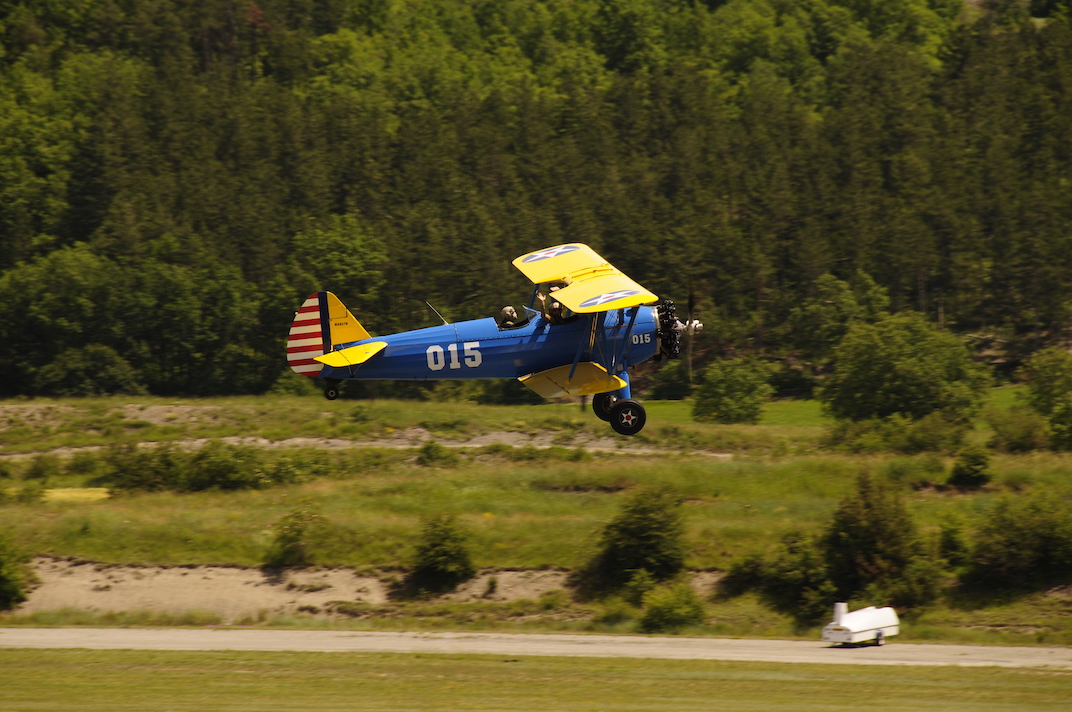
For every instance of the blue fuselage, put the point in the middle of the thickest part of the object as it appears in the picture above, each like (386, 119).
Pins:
(480, 349)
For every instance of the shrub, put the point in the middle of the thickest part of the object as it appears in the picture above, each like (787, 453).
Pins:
(92, 370)
(441, 559)
(869, 549)
(732, 392)
(1049, 378)
(1060, 423)
(432, 454)
(671, 382)
(795, 581)
(670, 608)
(1017, 429)
(897, 433)
(646, 535)
(913, 470)
(1024, 543)
(31, 493)
(970, 470)
(292, 543)
(14, 574)
(902, 365)
(871, 538)
(43, 467)
(215, 466)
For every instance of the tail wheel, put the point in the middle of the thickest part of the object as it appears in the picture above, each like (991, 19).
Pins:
(331, 392)
(601, 405)
(627, 417)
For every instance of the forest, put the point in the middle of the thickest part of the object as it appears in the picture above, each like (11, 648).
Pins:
(177, 175)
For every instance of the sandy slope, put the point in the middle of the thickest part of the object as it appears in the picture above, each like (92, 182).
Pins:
(235, 593)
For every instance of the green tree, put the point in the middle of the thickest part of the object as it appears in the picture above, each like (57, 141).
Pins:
(902, 365)
(1049, 379)
(871, 539)
(14, 574)
(441, 558)
(732, 392)
(1024, 542)
(647, 534)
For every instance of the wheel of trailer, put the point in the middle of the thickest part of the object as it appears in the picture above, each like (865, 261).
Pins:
(331, 392)
(601, 405)
(627, 417)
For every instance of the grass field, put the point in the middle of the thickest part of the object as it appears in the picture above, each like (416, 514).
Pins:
(525, 508)
(87, 681)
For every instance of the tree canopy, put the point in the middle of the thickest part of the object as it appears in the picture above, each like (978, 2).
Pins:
(177, 175)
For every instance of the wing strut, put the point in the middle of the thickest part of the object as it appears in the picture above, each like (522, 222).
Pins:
(625, 342)
(580, 346)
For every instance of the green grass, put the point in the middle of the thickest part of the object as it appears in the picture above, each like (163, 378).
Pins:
(87, 681)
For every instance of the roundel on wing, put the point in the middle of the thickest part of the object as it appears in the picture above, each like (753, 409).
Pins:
(549, 253)
(608, 297)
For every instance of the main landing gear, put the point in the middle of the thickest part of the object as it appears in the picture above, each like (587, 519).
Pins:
(331, 391)
(625, 415)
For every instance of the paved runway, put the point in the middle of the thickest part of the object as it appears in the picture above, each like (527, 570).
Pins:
(782, 651)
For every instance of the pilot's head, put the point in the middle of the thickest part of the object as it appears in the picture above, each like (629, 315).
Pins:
(507, 313)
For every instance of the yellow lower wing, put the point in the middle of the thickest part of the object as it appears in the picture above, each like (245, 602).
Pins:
(352, 356)
(588, 379)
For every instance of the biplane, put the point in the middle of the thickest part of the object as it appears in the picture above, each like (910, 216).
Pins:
(595, 322)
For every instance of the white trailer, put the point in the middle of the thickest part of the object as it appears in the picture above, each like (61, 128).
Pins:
(869, 623)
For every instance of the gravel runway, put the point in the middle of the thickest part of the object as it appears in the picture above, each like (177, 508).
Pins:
(780, 651)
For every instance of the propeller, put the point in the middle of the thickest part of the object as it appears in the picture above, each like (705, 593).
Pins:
(691, 327)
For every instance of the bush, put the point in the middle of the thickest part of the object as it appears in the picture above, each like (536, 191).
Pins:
(432, 454)
(902, 365)
(215, 466)
(43, 467)
(14, 574)
(31, 493)
(671, 382)
(1024, 543)
(897, 433)
(1060, 423)
(646, 535)
(92, 370)
(869, 550)
(1049, 379)
(913, 470)
(670, 608)
(872, 538)
(292, 544)
(970, 470)
(732, 392)
(441, 559)
(1017, 429)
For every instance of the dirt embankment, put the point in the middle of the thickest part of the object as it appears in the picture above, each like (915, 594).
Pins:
(234, 594)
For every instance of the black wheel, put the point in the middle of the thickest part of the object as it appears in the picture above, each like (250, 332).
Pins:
(331, 392)
(601, 404)
(627, 417)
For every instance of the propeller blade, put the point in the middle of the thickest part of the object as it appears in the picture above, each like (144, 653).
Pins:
(689, 330)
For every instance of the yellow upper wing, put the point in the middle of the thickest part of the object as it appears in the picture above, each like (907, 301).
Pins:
(592, 283)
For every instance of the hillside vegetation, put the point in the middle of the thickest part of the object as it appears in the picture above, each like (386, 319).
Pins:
(176, 176)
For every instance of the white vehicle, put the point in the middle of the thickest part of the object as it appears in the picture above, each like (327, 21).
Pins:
(869, 623)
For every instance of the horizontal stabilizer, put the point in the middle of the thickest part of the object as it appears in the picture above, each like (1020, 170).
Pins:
(589, 379)
(353, 356)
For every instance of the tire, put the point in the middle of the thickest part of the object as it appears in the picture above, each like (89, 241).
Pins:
(331, 392)
(627, 417)
(601, 405)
